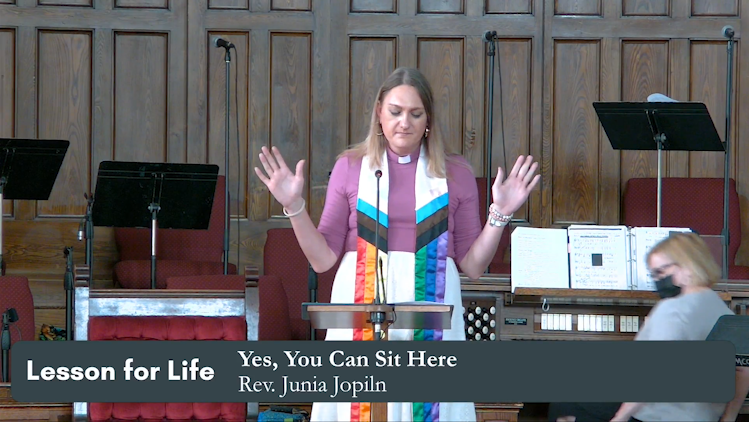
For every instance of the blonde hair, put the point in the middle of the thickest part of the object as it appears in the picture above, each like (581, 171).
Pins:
(374, 145)
(689, 251)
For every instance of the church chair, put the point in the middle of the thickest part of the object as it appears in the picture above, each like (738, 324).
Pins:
(498, 264)
(165, 315)
(283, 288)
(15, 293)
(179, 252)
(695, 203)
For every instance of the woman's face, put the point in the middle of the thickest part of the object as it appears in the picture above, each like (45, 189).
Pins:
(403, 119)
(662, 266)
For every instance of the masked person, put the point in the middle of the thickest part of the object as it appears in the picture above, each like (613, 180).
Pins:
(684, 271)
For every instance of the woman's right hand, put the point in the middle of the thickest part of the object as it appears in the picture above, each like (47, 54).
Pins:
(285, 186)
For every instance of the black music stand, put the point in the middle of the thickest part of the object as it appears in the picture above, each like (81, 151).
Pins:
(28, 170)
(670, 126)
(155, 195)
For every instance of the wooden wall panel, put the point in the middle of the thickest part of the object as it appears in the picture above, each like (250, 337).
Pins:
(509, 6)
(715, 8)
(87, 3)
(512, 107)
(441, 6)
(577, 7)
(441, 60)
(290, 101)
(216, 116)
(371, 61)
(294, 5)
(575, 133)
(7, 94)
(644, 72)
(229, 4)
(140, 97)
(373, 6)
(65, 92)
(646, 7)
(142, 4)
(708, 85)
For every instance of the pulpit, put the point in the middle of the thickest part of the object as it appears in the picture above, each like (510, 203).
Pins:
(380, 318)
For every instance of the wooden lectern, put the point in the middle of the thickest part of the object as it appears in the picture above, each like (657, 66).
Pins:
(379, 318)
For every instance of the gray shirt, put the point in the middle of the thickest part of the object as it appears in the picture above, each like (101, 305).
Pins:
(685, 317)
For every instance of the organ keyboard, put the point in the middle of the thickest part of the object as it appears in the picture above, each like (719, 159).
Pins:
(493, 312)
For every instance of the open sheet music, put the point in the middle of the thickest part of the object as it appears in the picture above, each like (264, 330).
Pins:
(539, 258)
(599, 257)
(585, 257)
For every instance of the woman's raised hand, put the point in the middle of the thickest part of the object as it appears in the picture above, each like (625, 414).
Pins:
(511, 193)
(285, 186)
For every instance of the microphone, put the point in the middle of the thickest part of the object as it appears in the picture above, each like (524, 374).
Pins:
(12, 315)
(728, 32)
(489, 36)
(220, 42)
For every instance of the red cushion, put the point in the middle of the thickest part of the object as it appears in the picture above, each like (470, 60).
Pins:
(167, 328)
(273, 323)
(210, 282)
(137, 274)
(15, 293)
(283, 258)
(695, 203)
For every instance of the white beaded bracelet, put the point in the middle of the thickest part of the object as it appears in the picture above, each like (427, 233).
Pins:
(288, 214)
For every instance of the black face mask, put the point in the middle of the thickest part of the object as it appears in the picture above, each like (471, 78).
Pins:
(666, 288)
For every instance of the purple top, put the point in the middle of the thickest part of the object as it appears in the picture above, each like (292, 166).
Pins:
(464, 224)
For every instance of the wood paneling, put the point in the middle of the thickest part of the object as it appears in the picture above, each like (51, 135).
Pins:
(441, 60)
(295, 5)
(645, 7)
(86, 3)
(644, 72)
(578, 7)
(7, 93)
(65, 92)
(290, 101)
(509, 6)
(708, 85)
(441, 6)
(140, 97)
(371, 61)
(229, 4)
(715, 8)
(575, 135)
(142, 4)
(373, 6)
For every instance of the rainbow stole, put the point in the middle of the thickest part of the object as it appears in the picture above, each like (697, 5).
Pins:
(429, 273)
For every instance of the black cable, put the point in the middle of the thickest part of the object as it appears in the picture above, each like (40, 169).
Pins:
(501, 111)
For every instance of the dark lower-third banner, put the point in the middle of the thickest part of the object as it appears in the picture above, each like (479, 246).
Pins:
(228, 371)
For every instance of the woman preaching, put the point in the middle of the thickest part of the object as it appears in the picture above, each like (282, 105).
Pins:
(429, 222)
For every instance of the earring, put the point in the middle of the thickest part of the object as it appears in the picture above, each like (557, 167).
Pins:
(426, 133)
(380, 133)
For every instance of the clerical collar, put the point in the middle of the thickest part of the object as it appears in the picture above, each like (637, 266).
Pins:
(404, 160)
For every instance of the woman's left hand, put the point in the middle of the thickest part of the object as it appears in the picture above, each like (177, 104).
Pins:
(511, 193)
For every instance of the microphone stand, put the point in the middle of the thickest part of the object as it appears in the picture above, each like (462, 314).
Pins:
(728, 32)
(227, 213)
(312, 286)
(5, 344)
(489, 38)
(68, 285)
(378, 317)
